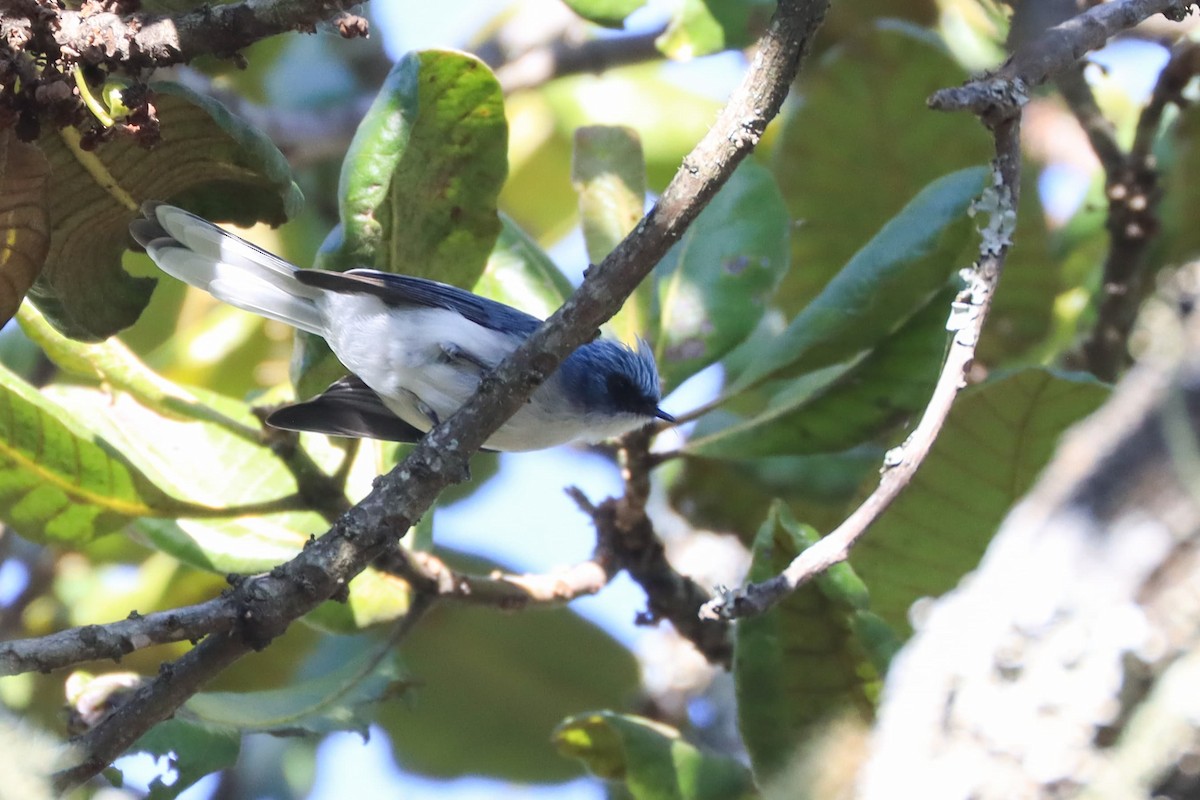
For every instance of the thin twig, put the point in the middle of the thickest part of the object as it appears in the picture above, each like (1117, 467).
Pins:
(1131, 186)
(321, 492)
(1183, 65)
(269, 603)
(559, 59)
(624, 532)
(430, 575)
(970, 313)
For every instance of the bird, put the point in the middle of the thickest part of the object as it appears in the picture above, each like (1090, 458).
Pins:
(415, 348)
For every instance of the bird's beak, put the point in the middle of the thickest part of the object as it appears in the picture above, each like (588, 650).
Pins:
(659, 413)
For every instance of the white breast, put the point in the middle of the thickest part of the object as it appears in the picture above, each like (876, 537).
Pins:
(400, 354)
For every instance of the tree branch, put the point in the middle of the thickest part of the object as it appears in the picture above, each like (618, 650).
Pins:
(626, 534)
(1003, 91)
(1100, 132)
(140, 41)
(117, 639)
(158, 699)
(1133, 193)
(431, 576)
(559, 58)
(268, 604)
(428, 575)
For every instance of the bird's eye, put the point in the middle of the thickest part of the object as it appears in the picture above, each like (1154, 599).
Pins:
(620, 387)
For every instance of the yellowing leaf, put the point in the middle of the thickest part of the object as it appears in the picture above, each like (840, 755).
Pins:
(24, 220)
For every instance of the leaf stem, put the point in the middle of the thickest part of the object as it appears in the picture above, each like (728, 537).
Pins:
(89, 100)
(182, 508)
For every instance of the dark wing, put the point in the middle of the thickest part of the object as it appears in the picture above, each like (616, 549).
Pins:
(405, 290)
(347, 408)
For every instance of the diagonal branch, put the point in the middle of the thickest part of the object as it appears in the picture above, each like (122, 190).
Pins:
(1056, 50)
(269, 603)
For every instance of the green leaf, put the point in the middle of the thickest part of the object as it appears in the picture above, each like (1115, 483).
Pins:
(195, 748)
(854, 406)
(996, 440)
(609, 13)
(418, 188)
(207, 160)
(650, 758)
(528, 670)
(895, 273)
(57, 483)
(1180, 158)
(731, 495)
(357, 674)
(519, 273)
(222, 168)
(669, 119)
(419, 183)
(214, 467)
(711, 289)
(802, 662)
(879, 640)
(609, 173)
(974, 32)
(180, 455)
(702, 27)
(115, 365)
(24, 220)
(867, 95)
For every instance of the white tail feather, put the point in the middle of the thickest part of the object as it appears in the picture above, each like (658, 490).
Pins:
(258, 297)
(234, 271)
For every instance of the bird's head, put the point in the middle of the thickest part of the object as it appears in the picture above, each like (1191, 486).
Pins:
(607, 378)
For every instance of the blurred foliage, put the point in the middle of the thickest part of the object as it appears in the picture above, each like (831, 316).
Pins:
(817, 284)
